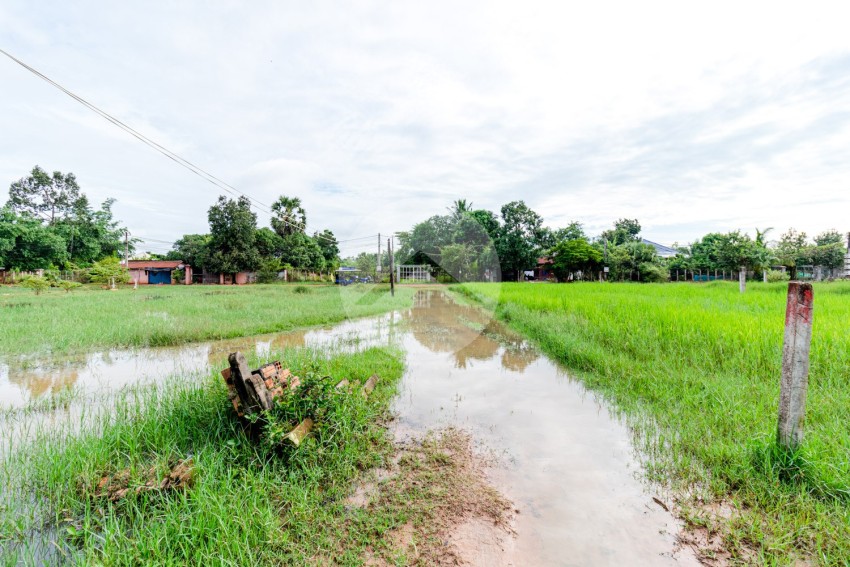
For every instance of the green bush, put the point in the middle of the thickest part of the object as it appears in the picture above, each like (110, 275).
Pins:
(652, 273)
(778, 276)
(104, 271)
(269, 270)
(68, 286)
(36, 283)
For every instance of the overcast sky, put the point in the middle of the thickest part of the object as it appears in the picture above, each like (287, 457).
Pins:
(691, 119)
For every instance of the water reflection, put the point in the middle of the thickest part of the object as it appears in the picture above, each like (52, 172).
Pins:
(437, 323)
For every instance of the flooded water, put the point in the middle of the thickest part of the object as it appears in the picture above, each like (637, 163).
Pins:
(565, 461)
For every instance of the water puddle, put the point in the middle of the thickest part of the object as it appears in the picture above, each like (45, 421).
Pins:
(566, 462)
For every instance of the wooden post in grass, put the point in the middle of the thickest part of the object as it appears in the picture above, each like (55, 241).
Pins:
(795, 364)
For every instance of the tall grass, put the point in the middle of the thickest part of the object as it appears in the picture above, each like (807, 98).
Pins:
(696, 369)
(249, 505)
(58, 322)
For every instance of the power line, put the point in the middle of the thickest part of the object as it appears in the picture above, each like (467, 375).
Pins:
(197, 170)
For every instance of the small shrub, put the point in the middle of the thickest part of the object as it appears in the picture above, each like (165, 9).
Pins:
(36, 283)
(778, 276)
(301, 289)
(68, 286)
(652, 273)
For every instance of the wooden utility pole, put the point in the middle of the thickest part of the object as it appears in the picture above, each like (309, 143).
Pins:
(378, 269)
(392, 269)
(795, 364)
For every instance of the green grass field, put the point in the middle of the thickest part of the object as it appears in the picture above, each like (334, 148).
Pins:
(58, 322)
(695, 369)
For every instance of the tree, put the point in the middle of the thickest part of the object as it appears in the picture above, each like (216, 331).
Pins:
(300, 251)
(460, 207)
(423, 243)
(828, 250)
(289, 216)
(329, 245)
(488, 221)
(792, 250)
(233, 229)
(574, 255)
(703, 253)
(41, 195)
(459, 261)
(28, 244)
(736, 250)
(549, 237)
(625, 230)
(193, 249)
(517, 244)
(91, 235)
(269, 243)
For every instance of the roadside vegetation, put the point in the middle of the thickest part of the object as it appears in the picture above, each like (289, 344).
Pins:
(57, 322)
(695, 369)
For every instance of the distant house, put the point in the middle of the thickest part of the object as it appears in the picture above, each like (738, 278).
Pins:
(157, 272)
(543, 271)
(660, 249)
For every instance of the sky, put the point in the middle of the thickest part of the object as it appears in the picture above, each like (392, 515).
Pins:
(691, 118)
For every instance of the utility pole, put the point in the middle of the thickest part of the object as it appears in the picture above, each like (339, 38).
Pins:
(392, 271)
(379, 255)
(127, 249)
(605, 262)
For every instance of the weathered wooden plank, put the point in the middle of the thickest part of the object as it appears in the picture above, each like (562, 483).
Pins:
(247, 390)
(297, 435)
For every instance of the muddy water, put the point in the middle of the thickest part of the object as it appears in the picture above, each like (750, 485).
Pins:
(565, 462)
(22, 381)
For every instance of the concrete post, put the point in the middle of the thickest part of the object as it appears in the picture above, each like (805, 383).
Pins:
(795, 364)
(742, 279)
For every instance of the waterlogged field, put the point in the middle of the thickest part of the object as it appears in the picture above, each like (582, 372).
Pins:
(249, 504)
(59, 322)
(696, 368)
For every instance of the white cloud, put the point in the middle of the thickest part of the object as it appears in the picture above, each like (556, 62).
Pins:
(692, 118)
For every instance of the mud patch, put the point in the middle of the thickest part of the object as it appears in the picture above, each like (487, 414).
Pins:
(453, 515)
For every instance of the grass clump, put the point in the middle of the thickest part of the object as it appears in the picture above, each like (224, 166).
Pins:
(696, 368)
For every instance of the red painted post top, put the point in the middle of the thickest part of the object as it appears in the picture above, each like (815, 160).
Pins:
(800, 302)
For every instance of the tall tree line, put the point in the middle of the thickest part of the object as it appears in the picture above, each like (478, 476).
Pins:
(49, 223)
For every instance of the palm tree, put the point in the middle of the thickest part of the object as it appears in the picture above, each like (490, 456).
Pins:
(459, 207)
(289, 216)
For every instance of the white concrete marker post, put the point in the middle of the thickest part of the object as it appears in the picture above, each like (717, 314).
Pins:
(742, 279)
(795, 364)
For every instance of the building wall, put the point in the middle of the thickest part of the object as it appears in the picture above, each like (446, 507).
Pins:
(139, 275)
